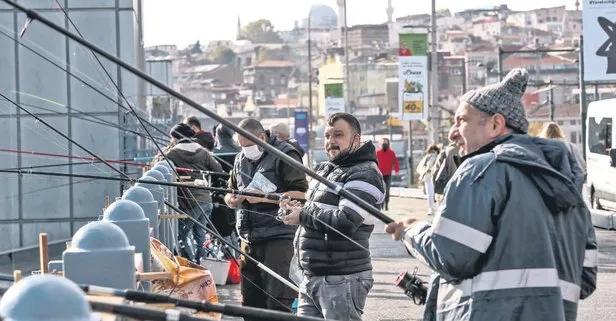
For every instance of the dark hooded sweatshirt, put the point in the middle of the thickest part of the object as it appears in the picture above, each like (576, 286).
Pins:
(226, 148)
(188, 154)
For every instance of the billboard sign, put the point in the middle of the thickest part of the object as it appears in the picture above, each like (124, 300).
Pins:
(413, 76)
(599, 30)
(334, 98)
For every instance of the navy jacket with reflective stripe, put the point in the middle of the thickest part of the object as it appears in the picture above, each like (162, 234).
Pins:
(513, 239)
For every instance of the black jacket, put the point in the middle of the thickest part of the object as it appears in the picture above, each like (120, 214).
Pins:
(189, 154)
(269, 174)
(297, 146)
(323, 251)
(226, 149)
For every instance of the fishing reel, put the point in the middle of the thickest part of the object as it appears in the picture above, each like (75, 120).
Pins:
(413, 286)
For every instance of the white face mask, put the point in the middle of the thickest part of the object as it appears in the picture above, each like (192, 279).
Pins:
(252, 152)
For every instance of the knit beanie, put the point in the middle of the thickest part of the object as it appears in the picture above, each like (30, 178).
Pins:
(182, 130)
(504, 98)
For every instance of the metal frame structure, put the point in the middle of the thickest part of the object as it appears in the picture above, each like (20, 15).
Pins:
(117, 8)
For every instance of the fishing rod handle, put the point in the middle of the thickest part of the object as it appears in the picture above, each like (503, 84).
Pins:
(143, 313)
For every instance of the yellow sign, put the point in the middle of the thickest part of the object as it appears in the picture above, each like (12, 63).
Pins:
(413, 102)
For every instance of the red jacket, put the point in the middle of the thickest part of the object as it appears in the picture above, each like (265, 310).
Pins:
(387, 161)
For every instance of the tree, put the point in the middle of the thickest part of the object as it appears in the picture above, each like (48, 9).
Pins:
(223, 55)
(196, 48)
(261, 31)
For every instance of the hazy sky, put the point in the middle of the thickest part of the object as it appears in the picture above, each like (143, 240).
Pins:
(182, 22)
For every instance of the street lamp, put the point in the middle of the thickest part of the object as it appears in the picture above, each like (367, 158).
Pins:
(310, 82)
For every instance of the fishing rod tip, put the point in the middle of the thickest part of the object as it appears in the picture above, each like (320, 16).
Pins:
(26, 25)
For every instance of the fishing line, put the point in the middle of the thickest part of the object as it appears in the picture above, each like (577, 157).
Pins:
(86, 117)
(62, 134)
(344, 193)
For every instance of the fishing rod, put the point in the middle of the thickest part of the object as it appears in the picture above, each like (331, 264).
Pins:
(75, 113)
(85, 83)
(269, 196)
(198, 171)
(27, 168)
(141, 121)
(33, 15)
(137, 312)
(63, 135)
(201, 306)
(228, 244)
(95, 160)
(143, 313)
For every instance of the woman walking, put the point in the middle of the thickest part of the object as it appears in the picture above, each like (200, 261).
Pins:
(424, 169)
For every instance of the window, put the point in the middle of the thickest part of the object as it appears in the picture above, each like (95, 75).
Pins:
(573, 122)
(599, 135)
(573, 138)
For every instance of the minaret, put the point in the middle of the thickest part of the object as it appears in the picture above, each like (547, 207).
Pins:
(239, 29)
(341, 16)
(393, 37)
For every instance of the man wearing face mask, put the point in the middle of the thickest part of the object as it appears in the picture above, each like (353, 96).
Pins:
(263, 236)
(337, 271)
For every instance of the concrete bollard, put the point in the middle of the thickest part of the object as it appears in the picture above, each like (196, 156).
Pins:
(45, 297)
(156, 190)
(100, 254)
(149, 205)
(129, 216)
(168, 178)
(156, 174)
(173, 198)
(167, 229)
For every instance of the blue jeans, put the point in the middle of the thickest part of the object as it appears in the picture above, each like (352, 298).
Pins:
(187, 225)
(335, 297)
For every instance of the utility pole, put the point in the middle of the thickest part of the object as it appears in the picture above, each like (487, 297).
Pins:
(347, 105)
(551, 100)
(434, 114)
(309, 86)
(582, 96)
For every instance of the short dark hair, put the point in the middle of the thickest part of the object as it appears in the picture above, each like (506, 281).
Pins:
(181, 131)
(350, 119)
(192, 121)
(432, 148)
(252, 126)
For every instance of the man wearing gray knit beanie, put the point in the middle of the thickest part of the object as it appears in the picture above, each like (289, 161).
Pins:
(513, 238)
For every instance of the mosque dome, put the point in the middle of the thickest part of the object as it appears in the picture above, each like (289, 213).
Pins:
(322, 17)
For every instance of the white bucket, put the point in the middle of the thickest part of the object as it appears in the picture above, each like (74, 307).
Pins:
(218, 268)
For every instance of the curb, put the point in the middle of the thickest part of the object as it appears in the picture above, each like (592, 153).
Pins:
(603, 219)
(407, 192)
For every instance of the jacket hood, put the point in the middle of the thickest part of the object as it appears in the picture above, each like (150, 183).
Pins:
(365, 153)
(190, 152)
(549, 165)
(225, 142)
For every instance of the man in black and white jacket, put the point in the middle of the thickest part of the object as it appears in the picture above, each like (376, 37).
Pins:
(337, 271)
